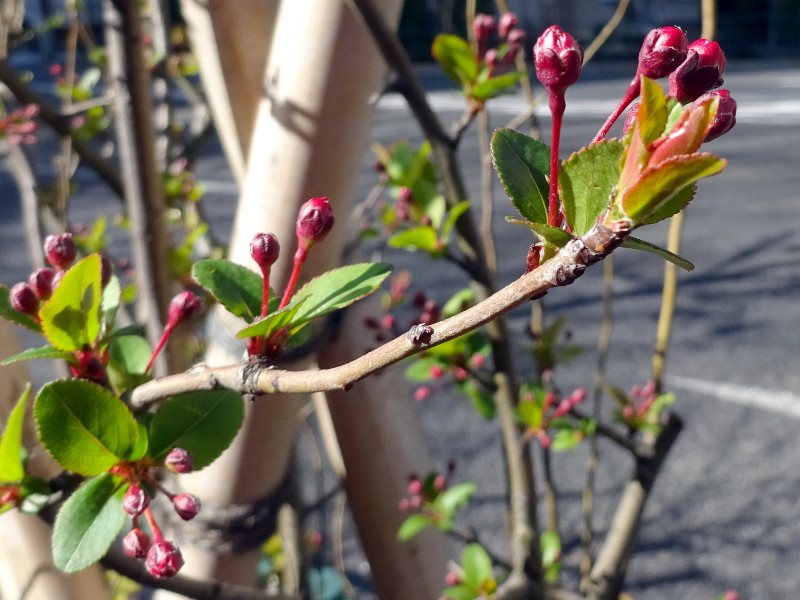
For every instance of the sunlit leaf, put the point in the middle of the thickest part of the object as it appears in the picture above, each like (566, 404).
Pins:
(11, 468)
(523, 164)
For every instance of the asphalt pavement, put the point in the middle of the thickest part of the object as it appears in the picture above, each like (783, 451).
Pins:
(724, 513)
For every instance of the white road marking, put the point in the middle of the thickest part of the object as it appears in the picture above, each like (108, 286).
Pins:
(781, 402)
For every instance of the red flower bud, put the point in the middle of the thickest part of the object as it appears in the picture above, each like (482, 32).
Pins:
(135, 500)
(508, 21)
(60, 250)
(106, 270)
(516, 38)
(483, 27)
(558, 59)
(41, 282)
(315, 220)
(186, 505)
(725, 118)
(415, 487)
(24, 299)
(422, 393)
(183, 307)
(136, 543)
(700, 72)
(662, 51)
(265, 250)
(440, 483)
(163, 559)
(179, 461)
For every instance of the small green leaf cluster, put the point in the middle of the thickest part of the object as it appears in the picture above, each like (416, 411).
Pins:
(640, 410)
(474, 578)
(549, 420)
(94, 120)
(433, 504)
(550, 546)
(417, 217)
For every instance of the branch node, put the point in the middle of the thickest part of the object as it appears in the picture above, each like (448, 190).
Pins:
(420, 334)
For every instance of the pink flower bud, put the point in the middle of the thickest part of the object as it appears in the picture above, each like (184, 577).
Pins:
(725, 118)
(315, 220)
(403, 505)
(136, 543)
(516, 38)
(731, 595)
(545, 440)
(478, 360)
(186, 505)
(578, 396)
(700, 72)
(135, 500)
(451, 579)
(423, 392)
(265, 250)
(460, 373)
(415, 487)
(508, 21)
(662, 51)
(41, 282)
(183, 307)
(436, 371)
(563, 408)
(483, 27)
(491, 59)
(558, 59)
(179, 461)
(163, 559)
(60, 250)
(24, 299)
(440, 483)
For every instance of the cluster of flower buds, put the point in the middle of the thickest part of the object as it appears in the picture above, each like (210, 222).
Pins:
(454, 369)
(180, 184)
(634, 413)
(162, 557)
(18, 126)
(500, 59)
(552, 409)
(422, 493)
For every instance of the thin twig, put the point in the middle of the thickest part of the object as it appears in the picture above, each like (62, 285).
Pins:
(487, 201)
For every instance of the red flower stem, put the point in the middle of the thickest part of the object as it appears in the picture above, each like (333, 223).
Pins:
(151, 521)
(152, 481)
(167, 332)
(557, 106)
(630, 95)
(265, 299)
(299, 259)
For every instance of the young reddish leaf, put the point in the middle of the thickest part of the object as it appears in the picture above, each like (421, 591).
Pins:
(637, 244)
(88, 522)
(71, 317)
(456, 58)
(237, 288)
(412, 526)
(84, 426)
(586, 181)
(203, 422)
(42, 352)
(522, 164)
(7, 311)
(657, 185)
(11, 468)
(674, 205)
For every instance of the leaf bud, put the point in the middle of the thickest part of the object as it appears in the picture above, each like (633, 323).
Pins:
(183, 307)
(136, 543)
(700, 72)
(725, 118)
(60, 250)
(662, 51)
(41, 281)
(163, 559)
(265, 250)
(558, 59)
(135, 500)
(186, 505)
(24, 299)
(315, 220)
(507, 23)
(179, 461)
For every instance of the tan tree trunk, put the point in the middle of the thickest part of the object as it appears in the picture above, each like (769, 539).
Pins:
(311, 128)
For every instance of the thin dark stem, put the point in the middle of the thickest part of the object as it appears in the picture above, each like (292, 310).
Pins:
(557, 107)
(550, 491)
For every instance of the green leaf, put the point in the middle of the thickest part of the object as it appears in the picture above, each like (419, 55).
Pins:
(237, 288)
(88, 522)
(456, 58)
(496, 85)
(652, 115)
(482, 400)
(657, 185)
(476, 564)
(587, 180)
(35, 494)
(452, 216)
(11, 467)
(84, 426)
(272, 322)
(42, 352)
(339, 288)
(203, 422)
(420, 369)
(637, 244)
(458, 302)
(674, 205)
(551, 235)
(566, 439)
(12, 314)
(454, 497)
(412, 526)
(109, 304)
(71, 317)
(531, 413)
(550, 544)
(460, 592)
(523, 164)
(129, 354)
(423, 237)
